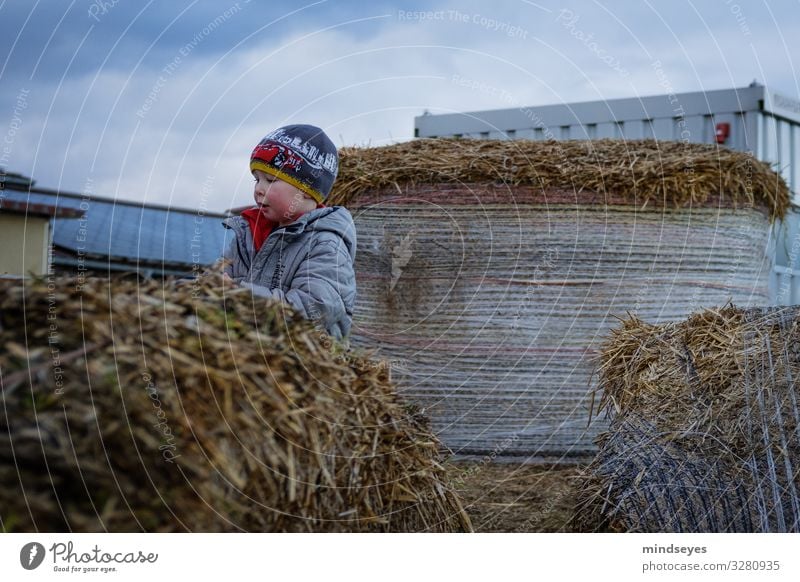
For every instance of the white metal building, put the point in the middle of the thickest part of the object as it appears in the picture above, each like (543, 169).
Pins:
(754, 119)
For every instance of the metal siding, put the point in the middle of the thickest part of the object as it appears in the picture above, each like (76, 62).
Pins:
(784, 146)
(594, 112)
(787, 266)
(662, 128)
(709, 134)
(795, 182)
(757, 125)
(650, 117)
(634, 130)
(741, 137)
(739, 132)
(525, 134)
(606, 130)
(781, 106)
(693, 125)
(649, 129)
(750, 128)
(769, 143)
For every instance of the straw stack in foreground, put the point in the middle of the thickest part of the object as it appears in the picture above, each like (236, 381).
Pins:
(165, 406)
(705, 435)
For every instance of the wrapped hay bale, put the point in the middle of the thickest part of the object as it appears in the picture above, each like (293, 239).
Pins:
(489, 271)
(705, 430)
(166, 406)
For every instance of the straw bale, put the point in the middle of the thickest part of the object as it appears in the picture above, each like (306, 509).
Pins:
(488, 271)
(491, 301)
(167, 406)
(705, 429)
(643, 172)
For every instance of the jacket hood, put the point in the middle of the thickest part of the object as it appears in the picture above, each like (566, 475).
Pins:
(335, 219)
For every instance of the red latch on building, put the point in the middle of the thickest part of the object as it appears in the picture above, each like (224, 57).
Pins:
(723, 131)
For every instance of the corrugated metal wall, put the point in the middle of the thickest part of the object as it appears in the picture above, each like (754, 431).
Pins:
(779, 144)
(691, 129)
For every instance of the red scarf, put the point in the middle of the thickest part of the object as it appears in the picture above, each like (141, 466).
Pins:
(260, 226)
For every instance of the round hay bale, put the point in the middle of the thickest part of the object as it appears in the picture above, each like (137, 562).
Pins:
(174, 406)
(705, 430)
(489, 271)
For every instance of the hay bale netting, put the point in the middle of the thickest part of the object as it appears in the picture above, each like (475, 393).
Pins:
(705, 431)
(489, 271)
(163, 406)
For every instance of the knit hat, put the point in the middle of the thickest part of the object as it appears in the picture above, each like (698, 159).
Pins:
(301, 155)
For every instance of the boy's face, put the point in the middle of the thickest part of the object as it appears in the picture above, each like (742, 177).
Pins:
(280, 201)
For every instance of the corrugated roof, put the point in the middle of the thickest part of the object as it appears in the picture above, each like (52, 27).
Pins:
(131, 231)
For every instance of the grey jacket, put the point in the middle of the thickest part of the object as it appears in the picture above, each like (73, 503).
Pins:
(308, 264)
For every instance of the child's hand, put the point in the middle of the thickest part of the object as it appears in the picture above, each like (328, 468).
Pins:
(227, 281)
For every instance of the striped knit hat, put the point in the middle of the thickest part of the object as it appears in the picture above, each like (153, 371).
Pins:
(301, 155)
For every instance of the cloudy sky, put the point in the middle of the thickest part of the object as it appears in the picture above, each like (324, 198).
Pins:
(163, 101)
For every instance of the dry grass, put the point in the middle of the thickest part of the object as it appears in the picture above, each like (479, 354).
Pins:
(166, 406)
(705, 432)
(513, 497)
(644, 172)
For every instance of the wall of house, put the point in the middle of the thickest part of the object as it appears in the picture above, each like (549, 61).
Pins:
(24, 241)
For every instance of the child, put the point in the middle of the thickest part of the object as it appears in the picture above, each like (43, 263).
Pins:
(291, 246)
